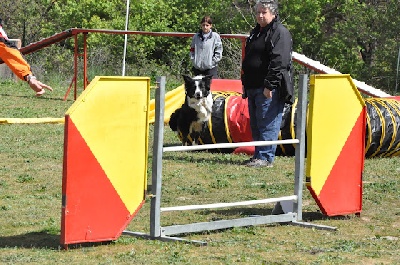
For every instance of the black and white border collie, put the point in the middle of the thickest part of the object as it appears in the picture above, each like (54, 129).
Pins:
(190, 119)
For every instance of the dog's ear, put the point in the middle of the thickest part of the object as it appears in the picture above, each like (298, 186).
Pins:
(207, 80)
(187, 78)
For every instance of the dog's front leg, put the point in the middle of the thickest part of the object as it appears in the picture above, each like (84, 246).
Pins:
(209, 103)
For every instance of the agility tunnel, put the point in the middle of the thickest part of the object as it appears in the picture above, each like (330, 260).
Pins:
(230, 123)
(382, 138)
(383, 127)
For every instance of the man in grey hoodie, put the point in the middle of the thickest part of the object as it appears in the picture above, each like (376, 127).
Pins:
(206, 50)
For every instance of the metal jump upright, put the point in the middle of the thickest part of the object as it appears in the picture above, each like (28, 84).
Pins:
(293, 215)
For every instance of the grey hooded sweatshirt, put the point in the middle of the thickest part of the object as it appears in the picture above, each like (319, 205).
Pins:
(206, 50)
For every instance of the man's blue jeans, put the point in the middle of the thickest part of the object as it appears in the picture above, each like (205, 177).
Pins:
(265, 121)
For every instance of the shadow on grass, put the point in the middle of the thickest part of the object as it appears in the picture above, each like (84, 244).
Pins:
(42, 240)
(315, 216)
(46, 97)
(31, 240)
(210, 160)
(237, 212)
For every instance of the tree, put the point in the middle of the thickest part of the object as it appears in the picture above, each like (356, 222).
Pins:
(359, 37)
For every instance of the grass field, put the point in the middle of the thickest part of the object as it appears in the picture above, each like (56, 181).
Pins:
(30, 204)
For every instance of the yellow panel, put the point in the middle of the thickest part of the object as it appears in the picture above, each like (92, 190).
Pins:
(335, 97)
(113, 120)
(173, 100)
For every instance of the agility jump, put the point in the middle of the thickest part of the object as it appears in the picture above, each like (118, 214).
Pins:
(87, 218)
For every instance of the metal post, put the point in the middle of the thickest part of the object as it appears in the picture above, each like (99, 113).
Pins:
(158, 140)
(397, 72)
(74, 78)
(300, 150)
(85, 79)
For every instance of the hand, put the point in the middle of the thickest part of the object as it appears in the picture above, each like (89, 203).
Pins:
(38, 86)
(267, 93)
(244, 94)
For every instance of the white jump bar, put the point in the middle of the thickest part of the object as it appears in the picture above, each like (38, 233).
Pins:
(227, 145)
(230, 204)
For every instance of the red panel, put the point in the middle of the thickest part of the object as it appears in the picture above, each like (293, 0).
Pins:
(342, 191)
(92, 210)
(238, 120)
(233, 85)
(395, 97)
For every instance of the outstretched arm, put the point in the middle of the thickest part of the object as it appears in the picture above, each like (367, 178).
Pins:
(14, 60)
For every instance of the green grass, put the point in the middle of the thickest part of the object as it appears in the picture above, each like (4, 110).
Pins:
(31, 158)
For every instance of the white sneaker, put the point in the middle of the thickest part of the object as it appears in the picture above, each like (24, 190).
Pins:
(259, 163)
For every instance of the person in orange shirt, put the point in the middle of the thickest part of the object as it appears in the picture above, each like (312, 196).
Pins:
(11, 56)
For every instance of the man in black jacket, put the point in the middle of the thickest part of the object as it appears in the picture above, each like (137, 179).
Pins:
(266, 79)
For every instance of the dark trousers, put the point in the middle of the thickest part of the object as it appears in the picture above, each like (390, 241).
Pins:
(213, 72)
(265, 121)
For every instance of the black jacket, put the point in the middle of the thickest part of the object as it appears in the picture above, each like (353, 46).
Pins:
(268, 59)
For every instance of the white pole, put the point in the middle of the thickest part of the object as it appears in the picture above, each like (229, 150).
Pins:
(227, 145)
(126, 37)
(228, 204)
